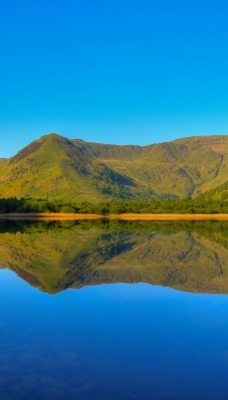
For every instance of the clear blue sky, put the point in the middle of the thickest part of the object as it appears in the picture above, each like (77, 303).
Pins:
(129, 71)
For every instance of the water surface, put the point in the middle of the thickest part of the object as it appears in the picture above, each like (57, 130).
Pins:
(82, 316)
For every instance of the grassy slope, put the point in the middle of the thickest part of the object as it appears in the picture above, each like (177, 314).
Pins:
(184, 167)
(55, 167)
(190, 258)
(220, 193)
(52, 167)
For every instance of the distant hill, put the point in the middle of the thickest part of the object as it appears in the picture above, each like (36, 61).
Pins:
(56, 167)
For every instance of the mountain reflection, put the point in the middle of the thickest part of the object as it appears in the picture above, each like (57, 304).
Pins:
(53, 256)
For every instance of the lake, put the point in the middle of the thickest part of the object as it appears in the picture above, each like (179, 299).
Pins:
(113, 310)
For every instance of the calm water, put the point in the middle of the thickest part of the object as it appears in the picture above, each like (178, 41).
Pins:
(113, 310)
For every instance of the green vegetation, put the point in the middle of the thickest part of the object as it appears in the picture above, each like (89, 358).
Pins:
(185, 206)
(73, 171)
(218, 194)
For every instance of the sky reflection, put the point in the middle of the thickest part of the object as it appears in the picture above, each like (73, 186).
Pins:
(111, 342)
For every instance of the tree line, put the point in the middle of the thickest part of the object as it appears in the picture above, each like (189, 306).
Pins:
(187, 206)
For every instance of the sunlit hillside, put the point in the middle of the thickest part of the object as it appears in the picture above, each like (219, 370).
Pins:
(54, 167)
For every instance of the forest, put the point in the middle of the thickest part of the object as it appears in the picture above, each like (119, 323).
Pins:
(187, 206)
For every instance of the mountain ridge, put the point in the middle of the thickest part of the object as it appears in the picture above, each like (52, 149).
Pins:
(72, 169)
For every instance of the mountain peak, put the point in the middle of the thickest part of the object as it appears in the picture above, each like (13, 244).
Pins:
(35, 146)
(51, 137)
(75, 170)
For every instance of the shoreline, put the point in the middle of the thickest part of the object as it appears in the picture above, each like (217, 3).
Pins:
(122, 217)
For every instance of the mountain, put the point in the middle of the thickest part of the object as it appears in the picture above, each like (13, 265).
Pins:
(56, 256)
(56, 167)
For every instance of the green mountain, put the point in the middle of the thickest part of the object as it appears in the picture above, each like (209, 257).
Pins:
(56, 256)
(56, 167)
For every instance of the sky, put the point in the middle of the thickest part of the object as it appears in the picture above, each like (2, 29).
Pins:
(111, 71)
